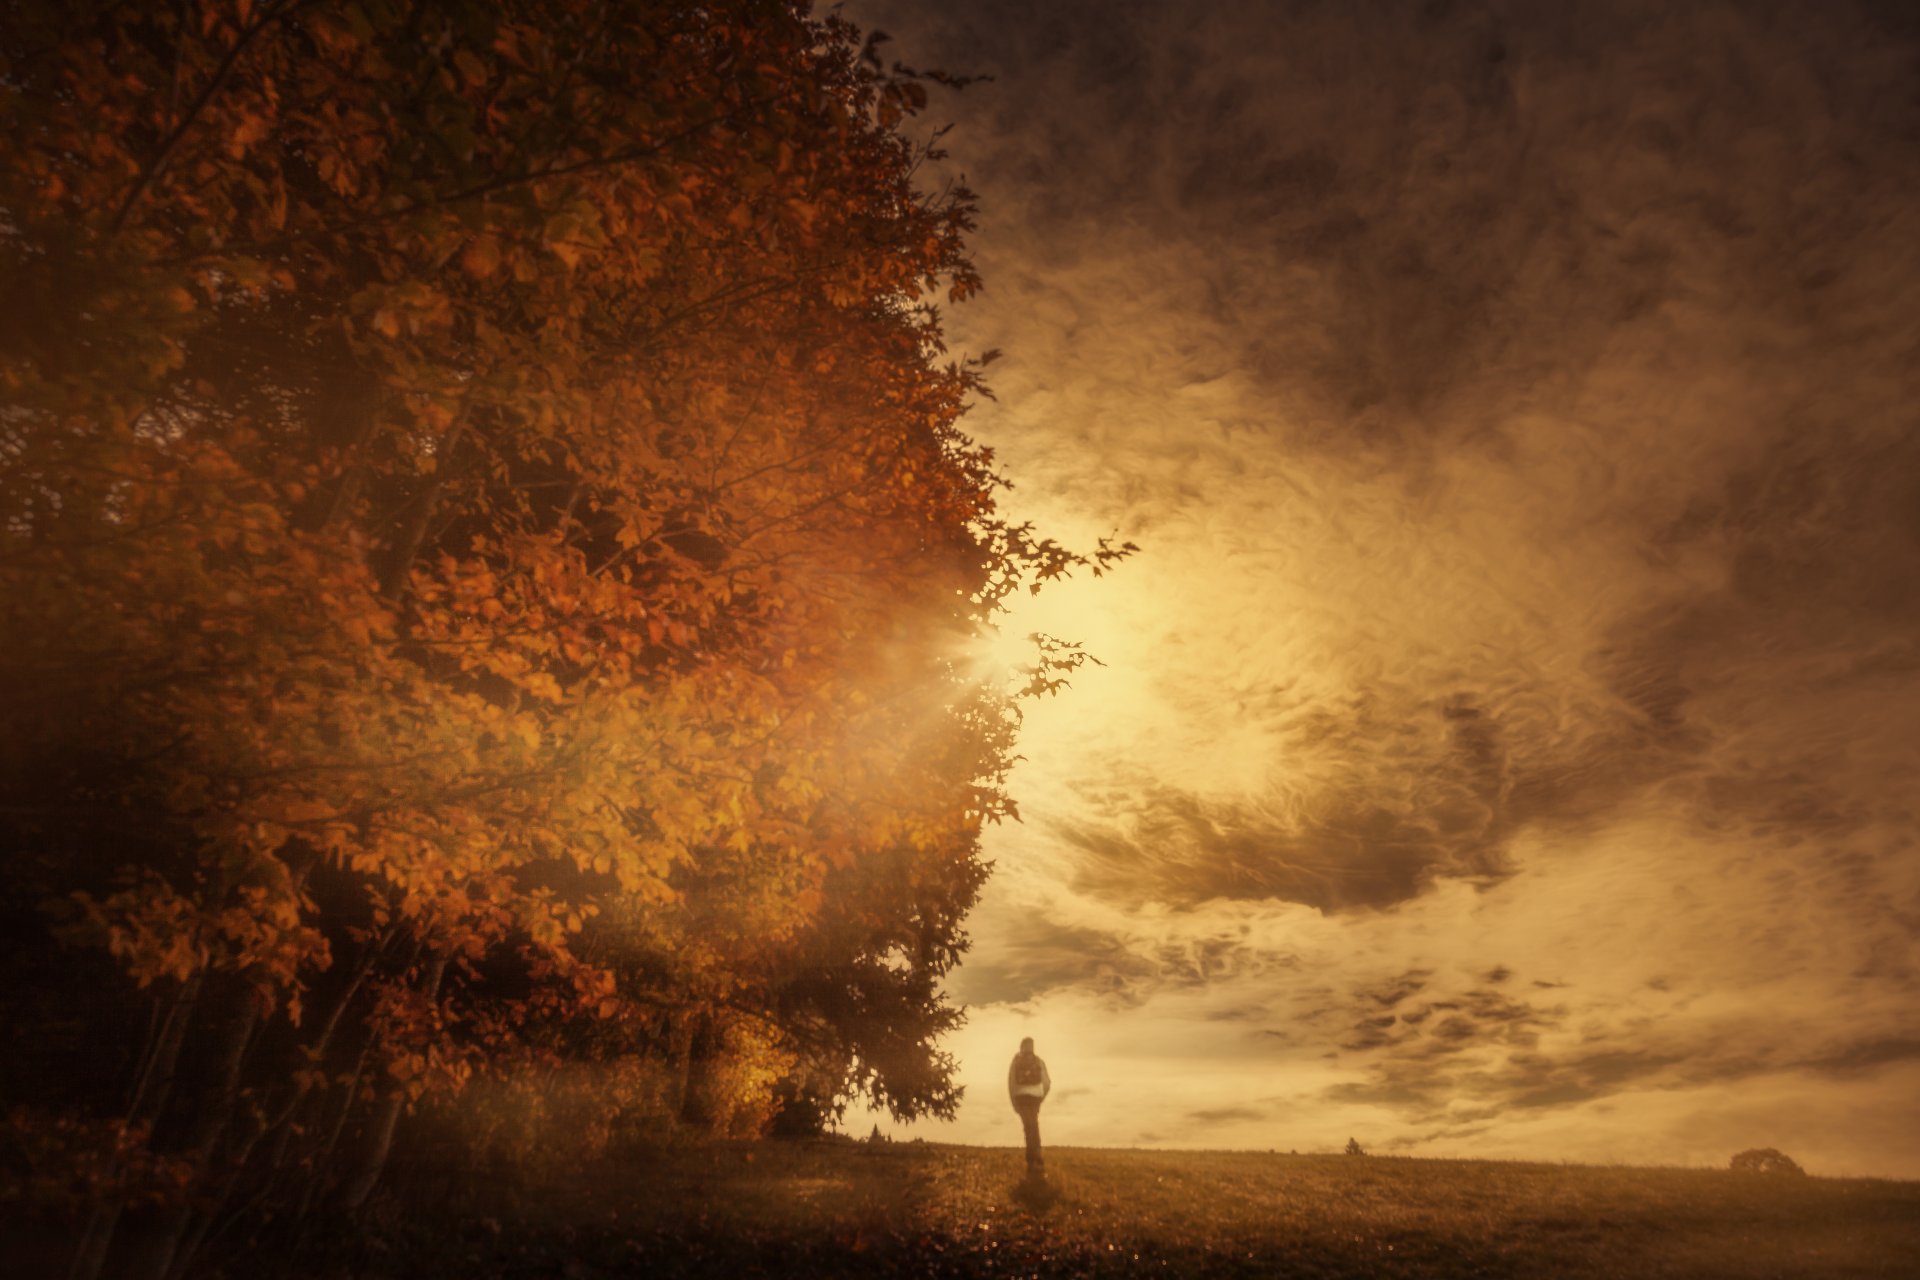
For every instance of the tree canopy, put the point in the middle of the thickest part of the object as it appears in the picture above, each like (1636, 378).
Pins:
(487, 566)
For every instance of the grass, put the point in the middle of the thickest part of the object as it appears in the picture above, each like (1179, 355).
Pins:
(923, 1210)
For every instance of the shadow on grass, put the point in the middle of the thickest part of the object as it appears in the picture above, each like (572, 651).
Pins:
(1037, 1195)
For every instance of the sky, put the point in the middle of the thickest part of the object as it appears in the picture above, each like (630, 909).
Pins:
(1506, 745)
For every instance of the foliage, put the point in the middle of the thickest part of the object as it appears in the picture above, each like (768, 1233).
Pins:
(69, 1161)
(486, 564)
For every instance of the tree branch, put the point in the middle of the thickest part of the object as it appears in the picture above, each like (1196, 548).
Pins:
(268, 16)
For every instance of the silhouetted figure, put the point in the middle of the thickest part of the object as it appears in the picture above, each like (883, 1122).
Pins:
(1028, 1085)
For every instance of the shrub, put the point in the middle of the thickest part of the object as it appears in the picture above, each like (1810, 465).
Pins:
(1765, 1160)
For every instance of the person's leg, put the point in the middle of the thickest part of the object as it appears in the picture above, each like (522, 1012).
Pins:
(1030, 1121)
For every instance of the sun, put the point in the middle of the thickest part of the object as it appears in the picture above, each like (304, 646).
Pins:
(1002, 655)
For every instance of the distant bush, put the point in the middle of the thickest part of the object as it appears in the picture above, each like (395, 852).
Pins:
(1765, 1160)
(1354, 1148)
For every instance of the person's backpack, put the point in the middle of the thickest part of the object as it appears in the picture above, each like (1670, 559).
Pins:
(1027, 1069)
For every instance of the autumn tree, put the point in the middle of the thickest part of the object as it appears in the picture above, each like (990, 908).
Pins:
(487, 558)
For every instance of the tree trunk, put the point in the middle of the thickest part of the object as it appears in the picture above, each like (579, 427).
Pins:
(324, 1159)
(91, 1253)
(149, 1097)
(698, 1045)
(378, 1143)
(212, 1124)
(406, 547)
(156, 1077)
(161, 1256)
(680, 1053)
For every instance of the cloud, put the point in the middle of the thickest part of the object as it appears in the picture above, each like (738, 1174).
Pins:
(1514, 697)
(1479, 1055)
(1425, 1093)
(1865, 1055)
(1351, 847)
(1416, 1028)
(1033, 954)
(1393, 991)
(1030, 950)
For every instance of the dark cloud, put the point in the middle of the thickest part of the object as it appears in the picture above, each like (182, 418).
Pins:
(1223, 1115)
(1033, 954)
(1425, 1029)
(1245, 1013)
(1353, 851)
(1424, 1086)
(1201, 962)
(1394, 990)
(1371, 1033)
(1486, 188)
(1866, 1055)
(1464, 1090)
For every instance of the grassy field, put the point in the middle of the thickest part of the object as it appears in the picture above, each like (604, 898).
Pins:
(855, 1209)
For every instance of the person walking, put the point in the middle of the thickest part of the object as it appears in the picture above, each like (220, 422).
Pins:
(1028, 1085)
